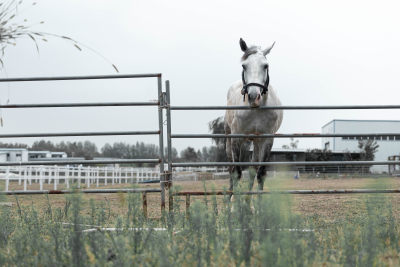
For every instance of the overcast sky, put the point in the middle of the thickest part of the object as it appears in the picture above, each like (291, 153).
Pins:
(326, 53)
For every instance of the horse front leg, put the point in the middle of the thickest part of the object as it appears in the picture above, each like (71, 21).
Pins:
(252, 169)
(264, 155)
(235, 171)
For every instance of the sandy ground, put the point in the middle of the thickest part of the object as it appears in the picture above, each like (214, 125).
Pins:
(328, 207)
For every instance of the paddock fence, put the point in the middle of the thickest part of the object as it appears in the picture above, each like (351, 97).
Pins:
(66, 176)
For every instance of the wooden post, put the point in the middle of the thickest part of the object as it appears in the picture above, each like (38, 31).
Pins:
(170, 201)
(187, 205)
(144, 197)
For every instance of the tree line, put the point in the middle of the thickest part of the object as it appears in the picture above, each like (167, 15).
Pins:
(120, 150)
(214, 153)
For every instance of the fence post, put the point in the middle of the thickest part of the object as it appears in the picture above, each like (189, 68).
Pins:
(7, 178)
(41, 179)
(55, 177)
(19, 175)
(25, 177)
(30, 175)
(144, 197)
(66, 176)
(161, 140)
(97, 177)
(79, 176)
(187, 205)
(169, 144)
(87, 176)
(49, 177)
(105, 175)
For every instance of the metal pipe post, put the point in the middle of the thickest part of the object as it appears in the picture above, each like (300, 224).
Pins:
(144, 198)
(169, 144)
(161, 141)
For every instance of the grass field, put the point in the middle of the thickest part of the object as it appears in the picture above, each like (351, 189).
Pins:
(275, 230)
(328, 207)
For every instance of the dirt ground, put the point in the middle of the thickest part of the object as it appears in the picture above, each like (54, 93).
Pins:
(328, 207)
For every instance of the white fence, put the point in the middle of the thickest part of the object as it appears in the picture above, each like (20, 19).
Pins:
(70, 175)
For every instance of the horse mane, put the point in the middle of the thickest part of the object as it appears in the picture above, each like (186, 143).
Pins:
(250, 51)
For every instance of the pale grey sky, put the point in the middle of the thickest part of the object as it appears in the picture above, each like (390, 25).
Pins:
(326, 53)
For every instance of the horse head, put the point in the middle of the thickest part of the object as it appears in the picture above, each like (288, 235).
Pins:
(255, 74)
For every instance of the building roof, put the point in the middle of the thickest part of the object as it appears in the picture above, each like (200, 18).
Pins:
(302, 150)
(39, 152)
(395, 121)
(13, 149)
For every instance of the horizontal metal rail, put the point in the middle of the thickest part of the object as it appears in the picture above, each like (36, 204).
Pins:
(86, 77)
(280, 163)
(284, 107)
(295, 192)
(73, 105)
(85, 191)
(298, 135)
(79, 134)
(83, 162)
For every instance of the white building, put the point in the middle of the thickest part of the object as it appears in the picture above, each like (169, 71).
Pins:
(388, 144)
(46, 155)
(13, 154)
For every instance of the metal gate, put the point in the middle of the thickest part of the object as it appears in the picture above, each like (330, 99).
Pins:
(159, 132)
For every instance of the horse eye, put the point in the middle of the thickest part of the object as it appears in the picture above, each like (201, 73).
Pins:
(244, 67)
(266, 66)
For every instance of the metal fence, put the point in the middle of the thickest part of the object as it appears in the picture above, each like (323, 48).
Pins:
(163, 103)
(159, 131)
(171, 136)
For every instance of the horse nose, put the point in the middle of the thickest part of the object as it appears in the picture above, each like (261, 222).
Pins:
(258, 96)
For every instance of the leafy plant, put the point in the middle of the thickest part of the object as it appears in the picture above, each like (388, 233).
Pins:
(12, 29)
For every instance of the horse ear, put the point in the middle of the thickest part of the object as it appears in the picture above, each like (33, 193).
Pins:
(267, 50)
(243, 45)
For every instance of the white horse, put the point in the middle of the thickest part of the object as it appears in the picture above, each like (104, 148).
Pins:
(254, 84)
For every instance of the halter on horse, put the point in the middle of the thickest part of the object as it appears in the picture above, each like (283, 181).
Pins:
(264, 86)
